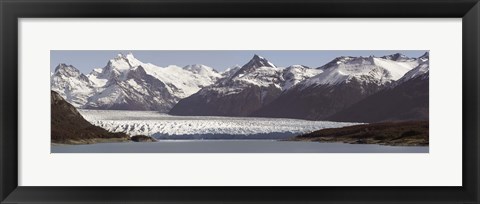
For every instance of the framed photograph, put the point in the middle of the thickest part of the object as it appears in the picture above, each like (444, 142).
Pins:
(239, 101)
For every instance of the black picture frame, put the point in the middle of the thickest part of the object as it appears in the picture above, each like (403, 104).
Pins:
(12, 10)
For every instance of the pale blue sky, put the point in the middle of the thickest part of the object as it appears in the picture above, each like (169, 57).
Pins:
(87, 60)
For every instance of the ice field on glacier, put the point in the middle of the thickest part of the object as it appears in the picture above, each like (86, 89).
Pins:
(161, 125)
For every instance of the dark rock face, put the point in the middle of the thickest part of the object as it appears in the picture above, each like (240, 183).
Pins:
(406, 101)
(316, 102)
(142, 138)
(68, 124)
(209, 102)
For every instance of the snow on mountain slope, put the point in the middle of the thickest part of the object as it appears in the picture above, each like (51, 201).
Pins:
(258, 71)
(123, 84)
(397, 57)
(378, 70)
(127, 83)
(406, 99)
(295, 74)
(396, 69)
(262, 77)
(116, 68)
(93, 77)
(255, 63)
(183, 82)
(265, 76)
(422, 70)
(343, 82)
(139, 91)
(134, 90)
(107, 97)
(230, 71)
(262, 73)
(71, 84)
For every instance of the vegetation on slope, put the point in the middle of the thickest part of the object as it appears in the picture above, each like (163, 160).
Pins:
(409, 133)
(68, 126)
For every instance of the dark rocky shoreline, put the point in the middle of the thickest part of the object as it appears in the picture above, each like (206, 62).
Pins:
(408, 133)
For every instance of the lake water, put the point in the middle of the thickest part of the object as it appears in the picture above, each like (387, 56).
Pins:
(232, 146)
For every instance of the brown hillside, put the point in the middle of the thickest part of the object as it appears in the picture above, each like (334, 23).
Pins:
(68, 126)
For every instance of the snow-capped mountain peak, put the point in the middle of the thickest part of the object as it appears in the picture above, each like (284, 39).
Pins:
(261, 61)
(336, 61)
(199, 68)
(124, 62)
(120, 63)
(125, 80)
(67, 70)
(297, 66)
(230, 71)
(62, 66)
(377, 70)
(132, 60)
(258, 71)
(71, 84)
(255, 63)
(425, 57)
(295, 74)
(396, 57)
(421, 71)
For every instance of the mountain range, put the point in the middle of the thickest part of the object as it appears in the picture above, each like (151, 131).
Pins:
(343, 82)
(126, 83)
(354, 89)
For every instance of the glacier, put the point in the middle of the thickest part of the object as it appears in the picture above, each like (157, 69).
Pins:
(162, 125)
